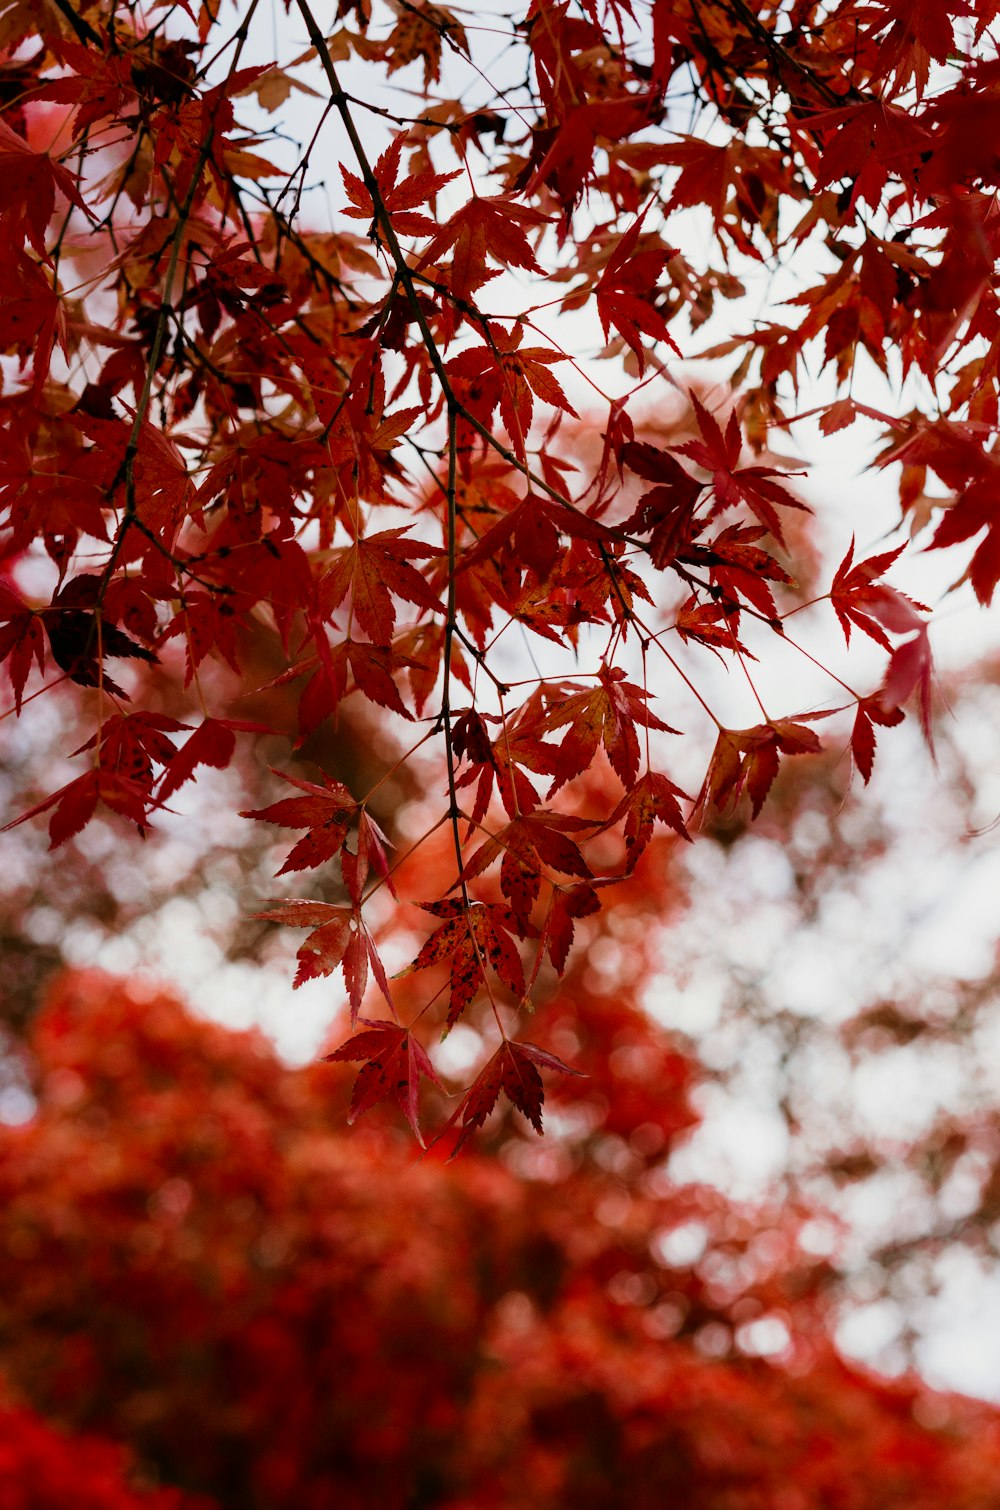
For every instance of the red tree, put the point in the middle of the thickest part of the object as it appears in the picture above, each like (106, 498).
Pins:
(277, 1313)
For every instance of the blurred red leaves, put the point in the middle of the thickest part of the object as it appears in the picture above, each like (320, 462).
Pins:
(196, 1261)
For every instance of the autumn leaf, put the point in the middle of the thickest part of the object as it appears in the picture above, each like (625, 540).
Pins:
(340, 940)
(130, 743)
(327, 811)
(22, 641)
(527, 845)
(506, 374)
(711, 624)
(665, 512)
(870, 711)
(76, 803)
(567, 906)
(467, 941)
(607, 715)
(731, 484)
(81, 638)
(859, 598)
(739, 568)
(400, 200)
(393, 1062)
(746, 760)
(652, 800)
(485, 227)
(418, 35)
(514, 1071)
(29, 181)
(625, 291)
(910, 670)
(972, 511)
(213, 743)
(339, 670)
(374, 570)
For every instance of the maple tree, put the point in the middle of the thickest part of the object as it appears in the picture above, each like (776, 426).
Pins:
(267, 1310)
(238, 438)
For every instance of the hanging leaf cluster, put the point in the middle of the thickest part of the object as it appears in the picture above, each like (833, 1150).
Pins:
(354, 392)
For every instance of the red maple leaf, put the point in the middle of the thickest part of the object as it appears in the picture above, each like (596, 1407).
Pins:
(739, 568)
(374, 570)
(859, 598)
(528, 844)
(517, 747)
(327, 811)
(871, 711)
(746, 760)
(568, 904)
(606, 714)
(711, 624)
(21, 641)
(625, 290)
(652, 800)
(394, 1061)
(973, 510)
(28, 184)
(400, 200)
(467, 941)
(513, 1070)
(506, 374)
(81, 637)
(131, 742)
(340, 940)
(370, 667)
(493, 227)
(910, 670)
(732, 484)
(76, 803)
(667, 510)
(213, 743)
(562, 155)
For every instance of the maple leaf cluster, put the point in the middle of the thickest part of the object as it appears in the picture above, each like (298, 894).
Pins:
(247, 453)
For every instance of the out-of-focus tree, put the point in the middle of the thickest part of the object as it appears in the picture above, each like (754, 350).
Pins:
(42, 1468)
(196, 1260)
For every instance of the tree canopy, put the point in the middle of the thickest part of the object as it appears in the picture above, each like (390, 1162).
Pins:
(349, 394)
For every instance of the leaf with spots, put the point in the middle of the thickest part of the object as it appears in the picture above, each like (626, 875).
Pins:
(567, 906)
(393, 1061)
(340, 940)
(652, 800)
(467, 942)
(528, 845)
(130, 743)
(513, 1070)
